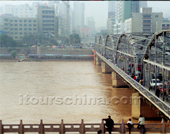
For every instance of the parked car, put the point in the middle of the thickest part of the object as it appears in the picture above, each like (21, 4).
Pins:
(159, 76)
(154, 83)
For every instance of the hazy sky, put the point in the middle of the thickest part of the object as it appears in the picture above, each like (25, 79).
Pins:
(99, 9)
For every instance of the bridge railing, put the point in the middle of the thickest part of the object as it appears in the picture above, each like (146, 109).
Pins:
(81, 128)
(161, 105)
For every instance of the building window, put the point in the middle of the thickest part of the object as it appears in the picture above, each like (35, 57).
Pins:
(30, 24)
(20, 20)
(16, 21)
(25, 29)
(34, 29)
(25, 20)
(147, 16)
(146, 30)
(146, 25)
(20, 24)
(15, 29)
(148, 21)
(168, 25)
(34, 21)
(30, 29)
(30, 21)
(20, 33)
(16, 24)
(25, 33)
(6, 20)
(11, 33)
(11, 28)
(156, 16)
(16, 33)
(16, 37)
(25, 24)
(6, 24)
(20, 29)
(163, 25)
(34, 25)
(11, 20)
(11, 24)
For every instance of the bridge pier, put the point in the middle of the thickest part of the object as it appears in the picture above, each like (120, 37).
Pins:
(105, 68)
(98, 61)
(117, 81)
(140, 106)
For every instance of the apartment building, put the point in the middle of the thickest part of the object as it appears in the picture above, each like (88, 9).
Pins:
(46, 20)
(17, 28)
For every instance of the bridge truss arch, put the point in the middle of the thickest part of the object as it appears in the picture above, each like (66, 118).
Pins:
(124, 53)
(110, 47)
(156, 61)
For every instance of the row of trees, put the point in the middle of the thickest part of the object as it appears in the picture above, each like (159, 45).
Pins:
(29, 40)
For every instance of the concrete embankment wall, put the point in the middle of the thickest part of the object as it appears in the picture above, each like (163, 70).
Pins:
(45, 50)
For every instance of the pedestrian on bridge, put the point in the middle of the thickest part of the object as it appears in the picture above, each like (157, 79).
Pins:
(141, 122)
(99, 132)
(109, 124)
(130, 125)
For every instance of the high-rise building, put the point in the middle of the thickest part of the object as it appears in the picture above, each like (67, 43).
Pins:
(47, 20)
(124, 9)
(78, 17)
(111, 6)
(91, 26)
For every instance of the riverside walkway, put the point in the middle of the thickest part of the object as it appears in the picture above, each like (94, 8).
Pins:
(81, 128)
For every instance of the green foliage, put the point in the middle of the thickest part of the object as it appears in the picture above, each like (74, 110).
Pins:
(13, 53)
(7, 41)
(75, 38)
(29, 39)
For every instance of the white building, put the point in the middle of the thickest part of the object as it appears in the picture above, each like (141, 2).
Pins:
(145, 21)
(18, 10)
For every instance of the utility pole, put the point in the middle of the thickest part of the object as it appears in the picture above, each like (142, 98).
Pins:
(68, 19)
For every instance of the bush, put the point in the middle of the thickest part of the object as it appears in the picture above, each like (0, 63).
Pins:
(13, 53)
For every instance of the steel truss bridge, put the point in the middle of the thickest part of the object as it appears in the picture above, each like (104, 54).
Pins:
(142, 54)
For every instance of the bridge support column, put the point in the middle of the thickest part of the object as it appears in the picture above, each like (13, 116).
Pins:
(141, 106)
(98, 61)
(105, 68)
(136, 105)
(117, 81)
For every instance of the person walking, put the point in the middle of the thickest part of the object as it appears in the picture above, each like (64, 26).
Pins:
(130, 125)
(99, 132)
(157, 92)
(141, 122)
(109, 124)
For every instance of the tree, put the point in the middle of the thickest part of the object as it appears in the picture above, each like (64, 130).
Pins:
(7, 41)
(75, 38)
(13, 53)
(29, 39)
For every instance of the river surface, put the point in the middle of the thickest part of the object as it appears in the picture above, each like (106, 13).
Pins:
(55, 90)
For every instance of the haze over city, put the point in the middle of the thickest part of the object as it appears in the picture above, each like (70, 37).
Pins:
(99, 9)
